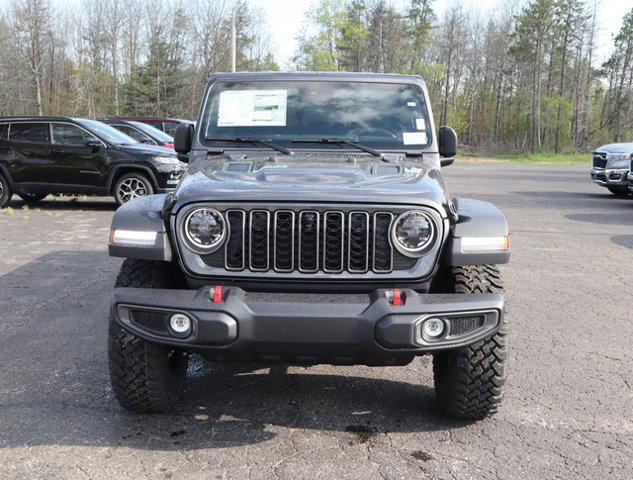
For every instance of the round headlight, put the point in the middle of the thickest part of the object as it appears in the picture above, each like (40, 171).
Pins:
(204, 229)
(412, 232)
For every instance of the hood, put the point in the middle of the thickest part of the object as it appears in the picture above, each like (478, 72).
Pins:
(313, 177)
(142, 148)
(616, 148)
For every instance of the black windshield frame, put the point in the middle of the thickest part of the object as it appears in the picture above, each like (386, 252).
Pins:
(354, 89)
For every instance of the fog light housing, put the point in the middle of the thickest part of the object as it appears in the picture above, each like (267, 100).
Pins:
(433, 328)
(180, 324)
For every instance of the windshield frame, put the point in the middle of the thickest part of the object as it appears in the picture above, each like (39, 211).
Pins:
(276, 81)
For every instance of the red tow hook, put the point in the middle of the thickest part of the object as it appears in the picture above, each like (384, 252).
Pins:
(216, 294)
(397, 299)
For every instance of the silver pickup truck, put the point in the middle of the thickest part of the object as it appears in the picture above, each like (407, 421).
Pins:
(611, 165)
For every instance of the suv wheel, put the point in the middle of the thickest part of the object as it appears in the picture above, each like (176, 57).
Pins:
(5, 192)
(618, 190)
(32, 197)
(145, 377)
(469, 380)
(132, 185)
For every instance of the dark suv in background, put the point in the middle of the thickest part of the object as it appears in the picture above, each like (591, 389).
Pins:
(42, 155)
(166, 124)
(142, 132)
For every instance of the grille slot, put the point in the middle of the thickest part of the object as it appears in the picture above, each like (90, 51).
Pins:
(284, 255)
(383, 251)
(309, 241)
(259, 237)
(234, 251)
(333, 228)
(358, 242)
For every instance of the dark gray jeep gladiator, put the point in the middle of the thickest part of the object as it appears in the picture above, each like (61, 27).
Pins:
(312, 225)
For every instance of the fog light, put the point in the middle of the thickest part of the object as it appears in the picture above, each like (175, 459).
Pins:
(180, 323)
(433, 328)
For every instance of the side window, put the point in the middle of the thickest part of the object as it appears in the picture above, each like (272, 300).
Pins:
(30, 132)
(135, 134)
(170, 128)
(158, 125)
(4, 131)
(65, 134)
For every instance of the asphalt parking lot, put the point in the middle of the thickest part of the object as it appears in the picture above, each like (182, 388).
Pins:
(567, 413)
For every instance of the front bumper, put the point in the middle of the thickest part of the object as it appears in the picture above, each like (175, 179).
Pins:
(308, 328)
(609, 176)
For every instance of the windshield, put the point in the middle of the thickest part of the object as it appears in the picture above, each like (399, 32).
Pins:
(153, 132)
(380, 115)
(106, 132)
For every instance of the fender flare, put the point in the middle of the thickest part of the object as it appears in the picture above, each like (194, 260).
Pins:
(132, 166)
(476, 220)
(139, 231)
(5, 173)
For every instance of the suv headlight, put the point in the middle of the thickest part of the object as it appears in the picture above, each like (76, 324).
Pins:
(168, 164)
(619, 156)
(204, 230)
(412, 233)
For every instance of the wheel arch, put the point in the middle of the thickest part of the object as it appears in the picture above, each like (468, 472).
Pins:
(119, 170)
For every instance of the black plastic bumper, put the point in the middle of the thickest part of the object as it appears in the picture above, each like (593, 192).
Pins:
(308, 328)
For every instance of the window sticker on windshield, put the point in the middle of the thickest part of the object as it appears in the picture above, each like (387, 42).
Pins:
(414, 138)
(253, 108)
(420, 124)
(411, 104)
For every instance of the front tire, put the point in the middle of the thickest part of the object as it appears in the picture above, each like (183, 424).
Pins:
(618, 190)
(5, 192)
(130, 186)
(469, 381)
(145, 377)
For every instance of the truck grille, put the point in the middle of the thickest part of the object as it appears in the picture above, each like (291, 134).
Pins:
(600, 160)
(309, 241)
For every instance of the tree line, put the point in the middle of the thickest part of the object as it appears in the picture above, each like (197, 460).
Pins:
(111, 57)
(525, 77)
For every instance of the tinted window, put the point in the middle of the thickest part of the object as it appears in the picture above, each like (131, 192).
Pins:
(65, 134)
(170, 127)
(158, 125)
(153, 132)
(135, 134)
(30, 132)
(4, 130)
(106, 132)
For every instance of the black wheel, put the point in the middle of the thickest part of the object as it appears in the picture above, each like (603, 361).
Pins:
(5, 192)
(132, 185)
(469, 381)
(618, 190)
(32, 197)
(145, 377)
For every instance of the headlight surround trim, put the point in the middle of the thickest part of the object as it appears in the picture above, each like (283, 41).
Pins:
(418, 251)
(196, 247)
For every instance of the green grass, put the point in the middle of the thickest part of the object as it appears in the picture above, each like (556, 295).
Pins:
(532, 158)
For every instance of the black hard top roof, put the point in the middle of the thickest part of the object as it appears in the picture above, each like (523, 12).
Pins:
(318, 76)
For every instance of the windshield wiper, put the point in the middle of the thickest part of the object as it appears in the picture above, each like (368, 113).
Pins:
(258, 141)
(341, 141)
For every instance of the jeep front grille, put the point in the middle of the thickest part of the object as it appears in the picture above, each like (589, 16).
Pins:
(308, 241)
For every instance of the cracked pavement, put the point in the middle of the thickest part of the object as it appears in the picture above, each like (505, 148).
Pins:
(568, 400)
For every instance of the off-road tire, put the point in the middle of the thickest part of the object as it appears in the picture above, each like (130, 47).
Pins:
(145, 377)
(469, 381)
(138, 182)
(5, 192)
(31, 198)
(618, 190)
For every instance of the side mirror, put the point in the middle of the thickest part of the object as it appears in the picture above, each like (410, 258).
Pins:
(94, 144)
(183, 139)
(447, 146)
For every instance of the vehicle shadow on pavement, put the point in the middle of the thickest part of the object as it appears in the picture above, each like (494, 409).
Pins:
(623, 240)
(65, 203)
(602, 219)
(55, 390)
